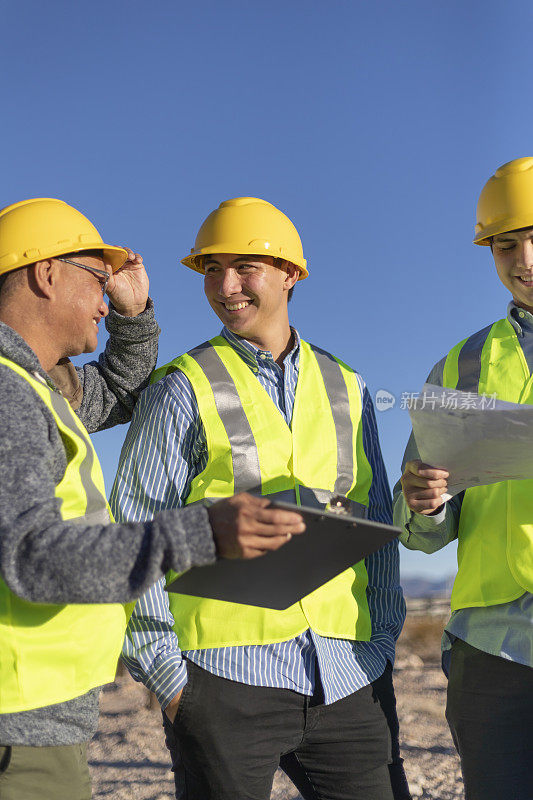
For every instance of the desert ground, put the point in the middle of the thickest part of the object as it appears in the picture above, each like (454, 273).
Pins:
(129, 760)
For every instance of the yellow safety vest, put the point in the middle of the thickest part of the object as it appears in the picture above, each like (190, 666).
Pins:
(495, 536)
(53, 653)
(251, 447)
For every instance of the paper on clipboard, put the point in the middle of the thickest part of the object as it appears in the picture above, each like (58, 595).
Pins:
(480, 440)
(330, 544)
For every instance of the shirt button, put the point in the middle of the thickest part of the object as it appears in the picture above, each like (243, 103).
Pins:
(263, 355)
(521, 314)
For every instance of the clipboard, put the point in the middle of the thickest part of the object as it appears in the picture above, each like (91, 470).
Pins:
(330, 544)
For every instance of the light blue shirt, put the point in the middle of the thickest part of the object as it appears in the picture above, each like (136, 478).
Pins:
(506, 629)
(164, 450)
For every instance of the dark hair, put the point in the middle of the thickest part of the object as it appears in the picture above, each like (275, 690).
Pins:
(9, 279)
(279, 262)
(3, 279)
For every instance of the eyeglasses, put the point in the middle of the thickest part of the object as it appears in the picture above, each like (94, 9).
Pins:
(102, 277)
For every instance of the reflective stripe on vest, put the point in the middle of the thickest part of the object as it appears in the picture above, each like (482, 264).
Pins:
(495, 536)
(251, 448)
(53, 653)
(246, 469)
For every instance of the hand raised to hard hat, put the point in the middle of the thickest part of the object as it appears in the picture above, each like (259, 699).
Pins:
(128, 286)
(245, 527)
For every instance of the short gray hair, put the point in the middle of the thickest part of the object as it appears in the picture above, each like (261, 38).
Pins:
(10, 280)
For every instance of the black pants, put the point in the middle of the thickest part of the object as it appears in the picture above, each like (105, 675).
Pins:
(490, 714)
(230, 737)
(383, 692)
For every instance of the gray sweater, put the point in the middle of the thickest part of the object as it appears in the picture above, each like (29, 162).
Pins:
(46, 560)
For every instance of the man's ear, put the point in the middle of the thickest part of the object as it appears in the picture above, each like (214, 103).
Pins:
(43, 277)
(292, 275)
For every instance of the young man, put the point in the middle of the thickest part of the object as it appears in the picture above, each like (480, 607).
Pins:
(59, 552)
(258, 408)
(488, 642)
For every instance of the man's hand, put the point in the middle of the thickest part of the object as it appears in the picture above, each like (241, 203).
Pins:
(172, 709)
(244, 527)
(128, 287)
(423, 486)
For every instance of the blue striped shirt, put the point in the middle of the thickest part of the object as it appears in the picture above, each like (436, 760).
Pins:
(164, 450)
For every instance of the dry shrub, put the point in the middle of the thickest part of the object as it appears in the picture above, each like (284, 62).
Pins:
(421, 635)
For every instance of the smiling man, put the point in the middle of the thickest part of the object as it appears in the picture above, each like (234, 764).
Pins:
(59, 552)
(258, 408)
(488, 641)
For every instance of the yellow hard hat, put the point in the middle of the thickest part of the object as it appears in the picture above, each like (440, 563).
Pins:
(248, 226)
(506, 200)
(41, 228)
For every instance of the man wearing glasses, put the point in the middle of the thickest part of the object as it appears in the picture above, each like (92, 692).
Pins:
(59, 552)
(101, 275)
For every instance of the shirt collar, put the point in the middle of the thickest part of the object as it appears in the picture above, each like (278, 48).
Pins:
(253, 355)
(520, 319)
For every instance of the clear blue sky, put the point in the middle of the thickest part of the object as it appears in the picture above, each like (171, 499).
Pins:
(373, 125)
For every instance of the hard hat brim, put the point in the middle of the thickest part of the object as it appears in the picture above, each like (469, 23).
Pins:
(116, 257)
(502, 226)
